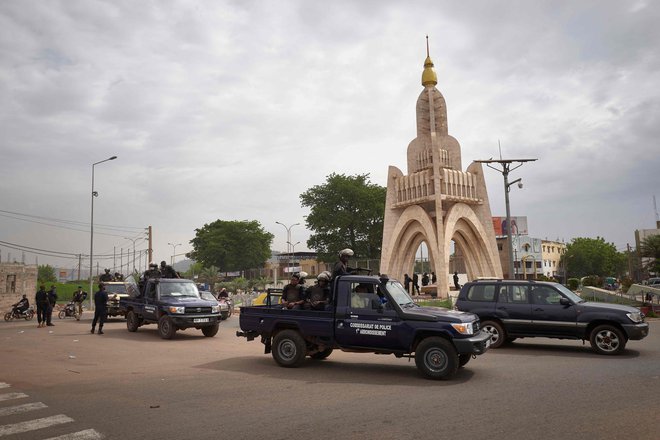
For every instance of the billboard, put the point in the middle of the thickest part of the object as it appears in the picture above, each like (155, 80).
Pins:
(518, 226)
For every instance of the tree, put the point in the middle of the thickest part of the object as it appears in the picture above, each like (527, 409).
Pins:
(650, 252)
(231, 245)
(593, 256)
(46, 274)
(345, 211)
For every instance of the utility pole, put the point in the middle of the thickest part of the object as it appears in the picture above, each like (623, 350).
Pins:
(79, 264)
(151, 250)
(506, 169)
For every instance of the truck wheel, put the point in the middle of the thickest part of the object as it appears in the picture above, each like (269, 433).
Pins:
(607, 339)
(322, 354)
(436, 358)
(132, 321)
(211, 331)
(166, 327)
(463, 359)
(289, 348)
(62, 314)
(498, 335)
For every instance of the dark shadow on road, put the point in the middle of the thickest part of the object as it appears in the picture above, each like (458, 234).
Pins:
(576, 351)
(327, 371)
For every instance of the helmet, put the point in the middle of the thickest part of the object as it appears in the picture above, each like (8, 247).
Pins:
(323, 276)
(346, 252)
(152, 264)
(107, 270)
(302, 274)
(163, 263)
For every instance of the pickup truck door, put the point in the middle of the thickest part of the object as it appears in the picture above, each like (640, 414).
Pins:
(150, 306)
(362, 320)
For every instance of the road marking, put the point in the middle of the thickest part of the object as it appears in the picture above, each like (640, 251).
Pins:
(21, 408)
(32, 425)
(4, 385)
(10, 396)
(87, 434)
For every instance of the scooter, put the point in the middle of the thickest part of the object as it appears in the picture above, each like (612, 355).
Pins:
(226, 307)
(26, 314)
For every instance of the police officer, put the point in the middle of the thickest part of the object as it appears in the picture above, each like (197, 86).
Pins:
(107, 276)
(41, 298)
(318, 295)
(52, 300)
(167, 271)
(152, 272)
(101, 308)
(341, 266)
(293, 295)
(78, 297)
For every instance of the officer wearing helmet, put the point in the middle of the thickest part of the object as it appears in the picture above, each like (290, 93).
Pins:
(107, 276)
(318, 295)
(341, 266)
(152, 272)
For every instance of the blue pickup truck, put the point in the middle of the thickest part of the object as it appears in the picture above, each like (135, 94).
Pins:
(368, 314)
(173, 304)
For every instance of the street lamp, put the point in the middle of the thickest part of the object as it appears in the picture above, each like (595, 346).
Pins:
(134, 240)
(288, 236)
(91, 234)
(174, 250)
(506, 169)
(293, 251)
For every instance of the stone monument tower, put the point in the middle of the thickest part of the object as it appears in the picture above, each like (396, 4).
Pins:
(437, 202)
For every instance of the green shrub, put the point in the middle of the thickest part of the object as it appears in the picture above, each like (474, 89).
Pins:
(592, 280)
(573, 283)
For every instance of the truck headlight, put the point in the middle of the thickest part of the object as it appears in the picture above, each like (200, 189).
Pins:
(464, 328)
(215, 309)
(635, 316)
(177, 309)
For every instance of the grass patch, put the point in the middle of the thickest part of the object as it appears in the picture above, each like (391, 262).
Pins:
(446, 303)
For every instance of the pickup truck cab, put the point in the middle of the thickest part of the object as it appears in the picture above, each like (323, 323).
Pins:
(172, 303)
(368, 314)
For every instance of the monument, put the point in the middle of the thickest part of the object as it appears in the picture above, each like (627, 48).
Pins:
(437, 202)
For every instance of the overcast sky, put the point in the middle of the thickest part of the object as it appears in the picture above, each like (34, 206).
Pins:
(230, 110)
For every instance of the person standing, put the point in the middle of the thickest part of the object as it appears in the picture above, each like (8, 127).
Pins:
(341, 266)
(434, 279)
(41, 299)
(107, 276)
(78, 297)
(52, 300)
(415, 281)
(167, 271)
(101, 308)
(456, 285)
(406, 282)
(425, 279)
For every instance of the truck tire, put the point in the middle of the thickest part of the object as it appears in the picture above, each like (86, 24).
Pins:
(166, 328)
(322, 354)
(289, 348)
(463, 359)
(211, 330)
(498, 334)
(132, 321)
(607, 339)
(436, 358)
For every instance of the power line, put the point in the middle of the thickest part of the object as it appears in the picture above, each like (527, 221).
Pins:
(125, 229)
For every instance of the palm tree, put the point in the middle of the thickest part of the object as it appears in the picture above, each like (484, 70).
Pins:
(650, 253)
(210, 276)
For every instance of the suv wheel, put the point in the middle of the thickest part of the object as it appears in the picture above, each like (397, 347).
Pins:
(607, 339)
(498, 335)
(436, 358)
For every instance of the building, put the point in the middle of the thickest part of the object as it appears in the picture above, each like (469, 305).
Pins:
(640, 235)
(17, 279)
(551, 253)
(527, 256)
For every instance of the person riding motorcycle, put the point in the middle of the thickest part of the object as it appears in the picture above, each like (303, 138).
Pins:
(78, 297)
(22, 305)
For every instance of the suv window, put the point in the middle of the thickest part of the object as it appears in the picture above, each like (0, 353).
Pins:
(513, 294)
(482, 292)
(545, 295)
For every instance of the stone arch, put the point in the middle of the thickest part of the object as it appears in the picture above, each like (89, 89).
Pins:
(463, 225)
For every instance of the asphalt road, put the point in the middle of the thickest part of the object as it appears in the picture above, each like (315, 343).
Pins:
(71, 384)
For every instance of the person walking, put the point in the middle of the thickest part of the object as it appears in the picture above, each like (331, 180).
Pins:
(101, 308)
(456, 285)
(41, 299)
(52, 300)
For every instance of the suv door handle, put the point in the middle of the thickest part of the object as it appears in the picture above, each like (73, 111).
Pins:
(538, 309)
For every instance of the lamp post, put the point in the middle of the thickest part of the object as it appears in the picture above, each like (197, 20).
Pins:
(133, 240)
(174, 250)
(506, 169)
(91, 234)
(288, 237)
(293, 250)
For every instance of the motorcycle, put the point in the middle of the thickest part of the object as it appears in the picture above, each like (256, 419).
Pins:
(69, 310)
(226, 307)
(26, 314)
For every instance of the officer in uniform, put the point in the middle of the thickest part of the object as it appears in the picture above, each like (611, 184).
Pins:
(52, 300)
(41, 298)
(167, 271)
(341, 266)
(318, 295)
(78, 297)
(293, 295)
(107, 276)
(152, 272)
(101, 308)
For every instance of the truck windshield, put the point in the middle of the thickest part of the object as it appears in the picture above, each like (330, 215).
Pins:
(398, 293)
(179, 290)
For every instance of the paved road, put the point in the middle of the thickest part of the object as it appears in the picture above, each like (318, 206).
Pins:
(137, 386)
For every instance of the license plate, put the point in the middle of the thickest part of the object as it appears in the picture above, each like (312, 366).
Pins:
(201, 320)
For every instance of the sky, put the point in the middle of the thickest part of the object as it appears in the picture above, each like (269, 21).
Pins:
(231, 109)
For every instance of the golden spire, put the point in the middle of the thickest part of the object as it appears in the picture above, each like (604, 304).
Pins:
(429, 78)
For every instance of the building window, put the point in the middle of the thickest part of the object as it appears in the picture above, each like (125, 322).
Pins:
(11, 283)
(499, 246)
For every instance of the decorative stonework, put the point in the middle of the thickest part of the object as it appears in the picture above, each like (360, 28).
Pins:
(437, 202)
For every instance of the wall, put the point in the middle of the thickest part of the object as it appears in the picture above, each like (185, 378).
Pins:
(16, 279)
